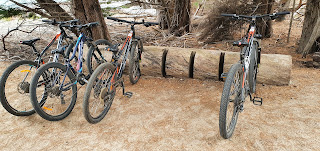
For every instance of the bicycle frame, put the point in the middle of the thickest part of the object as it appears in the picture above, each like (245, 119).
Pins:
(60, 36)
(245, 58)
(79, 46)
(126, 48)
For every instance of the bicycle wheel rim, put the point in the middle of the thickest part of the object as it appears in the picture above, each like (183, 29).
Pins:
(59, 99)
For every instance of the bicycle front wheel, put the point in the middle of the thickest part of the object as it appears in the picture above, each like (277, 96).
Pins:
(99, 93)
(230, 98)
(96, 54)
(14, 84)
(53, 82)
(134, 62)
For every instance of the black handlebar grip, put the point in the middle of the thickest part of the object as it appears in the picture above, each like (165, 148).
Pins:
(46, 21)
(228, 15)
(283, 13)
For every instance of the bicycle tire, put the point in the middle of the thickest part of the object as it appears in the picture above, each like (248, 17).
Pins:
(3, 81)
(253, 68)
(91, 86)
(226, 132)
(39, 107)
(134, 62)
(95, 53)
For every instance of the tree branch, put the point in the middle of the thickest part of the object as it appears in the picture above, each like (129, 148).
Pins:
(31, 9)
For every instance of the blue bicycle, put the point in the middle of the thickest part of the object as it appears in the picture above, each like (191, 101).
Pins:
(58, 83)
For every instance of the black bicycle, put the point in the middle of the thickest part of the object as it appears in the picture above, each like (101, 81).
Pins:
(101, 89)
(58, 83)
(241, 78)
(12, 95)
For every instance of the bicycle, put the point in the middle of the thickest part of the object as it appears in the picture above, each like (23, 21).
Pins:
(108, 76)
(242, 76)
(56, 81)
(22, 71)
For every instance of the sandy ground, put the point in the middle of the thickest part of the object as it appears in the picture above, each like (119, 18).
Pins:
(179, 114)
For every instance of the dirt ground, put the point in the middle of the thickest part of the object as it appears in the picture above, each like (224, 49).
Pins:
(179, 114)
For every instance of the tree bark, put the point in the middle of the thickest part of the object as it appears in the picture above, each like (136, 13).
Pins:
(90, 11)
(180, 22)
(311, 30)
(54, 9)
(265, 7)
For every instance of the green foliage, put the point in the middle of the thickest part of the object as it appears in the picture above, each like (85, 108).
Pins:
(33, 16)
(106, 11)
(9, 12)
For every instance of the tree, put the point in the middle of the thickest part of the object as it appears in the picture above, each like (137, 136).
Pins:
(264, 7)
(90, 11)
(54, 9)
(310, 30)
(175, 16)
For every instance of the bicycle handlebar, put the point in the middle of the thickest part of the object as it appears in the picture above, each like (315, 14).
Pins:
(54, 22)
(147, 24)
(82, 26)
(272, 16)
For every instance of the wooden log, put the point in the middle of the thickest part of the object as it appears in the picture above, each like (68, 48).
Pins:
(274, 69)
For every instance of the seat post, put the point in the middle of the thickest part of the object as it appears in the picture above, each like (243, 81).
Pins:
(34, 49)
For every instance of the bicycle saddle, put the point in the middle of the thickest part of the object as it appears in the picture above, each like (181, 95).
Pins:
(29, 42)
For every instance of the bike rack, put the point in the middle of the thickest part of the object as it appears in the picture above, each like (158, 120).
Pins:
(163, 63)
(221, 65)
(191, 64)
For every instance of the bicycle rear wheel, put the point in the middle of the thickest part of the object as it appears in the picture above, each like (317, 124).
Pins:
(230, 98)
(99, 93)
(97, 54)
(253, 68)
(14, 84)
(58, 86)
(134, 61)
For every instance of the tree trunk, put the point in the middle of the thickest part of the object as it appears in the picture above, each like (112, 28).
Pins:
(265, 7)
(180, 22)
(90, 11)
(311, 30)
(54, 9)
(164, 13)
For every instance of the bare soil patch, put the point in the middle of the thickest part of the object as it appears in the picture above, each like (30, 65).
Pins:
(179, 114)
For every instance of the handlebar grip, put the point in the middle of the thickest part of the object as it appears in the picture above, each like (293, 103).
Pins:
(228, 15)
(93, 23)
(283, 13)
(73, 21)
(47, 21)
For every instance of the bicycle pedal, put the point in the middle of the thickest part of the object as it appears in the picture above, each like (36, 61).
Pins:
(257, 101)
(128, 94)
(224, 75)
